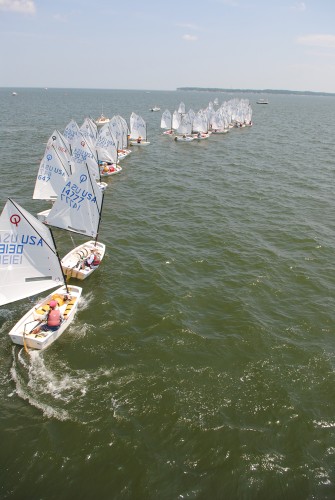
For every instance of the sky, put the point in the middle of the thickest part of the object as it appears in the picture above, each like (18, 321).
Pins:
(165, 44)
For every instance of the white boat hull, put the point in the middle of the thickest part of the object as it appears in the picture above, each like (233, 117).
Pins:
(102, 185)
(142, 143)
(188, 138)
(220, 131)
(42, 216)
(202, 136)
(72, 262)
(123, 153)
(21, 333)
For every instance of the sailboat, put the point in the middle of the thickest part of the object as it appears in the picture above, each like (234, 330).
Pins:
(176, 119)
(123, 150)
(55, 167)
(102, 120)
(78, 209)
(181, 108)
(200, 125)
(138, 131)
(166, 122)
(83, 151)
(184, 130)
(90, 131)
(30, 265)
(106, 147)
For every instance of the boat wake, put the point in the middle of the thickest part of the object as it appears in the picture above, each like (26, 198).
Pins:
(49, 390)
(57, 390)
(85, 301)
(32, 379)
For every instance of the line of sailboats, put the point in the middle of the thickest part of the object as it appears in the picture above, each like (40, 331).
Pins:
(69, 176)
(214, 119)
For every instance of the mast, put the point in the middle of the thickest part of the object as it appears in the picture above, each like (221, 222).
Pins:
(60, 264)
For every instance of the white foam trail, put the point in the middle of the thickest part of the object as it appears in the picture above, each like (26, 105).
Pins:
(85, 301)
(47, 410)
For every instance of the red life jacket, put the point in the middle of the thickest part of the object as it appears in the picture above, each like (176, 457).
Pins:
(54, 318)
(96, 261)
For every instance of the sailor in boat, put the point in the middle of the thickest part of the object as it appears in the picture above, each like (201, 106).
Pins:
(107, 167)
(93, 260)
(53, 319)
(139, 139)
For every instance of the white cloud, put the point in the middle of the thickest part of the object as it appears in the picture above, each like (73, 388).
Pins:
(299, 6)
(327, 41)
(190, 38)
(20, 6)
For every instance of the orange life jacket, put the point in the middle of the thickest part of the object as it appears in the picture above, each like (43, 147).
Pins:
(54, 318)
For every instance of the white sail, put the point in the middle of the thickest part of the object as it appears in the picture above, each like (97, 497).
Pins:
(72, 131)
(116, 131)
(54, 169)
(185, 127)
(106, 144)
(217, 121)
(78, 205)
(191, 114)
(166, 119)
(28, 259)
(125, 132)
(82, 149)
(89, 130)
(200, 122)
(175, 120)
(83, 154)
(132, 120)
(181, 108)
(138, 127)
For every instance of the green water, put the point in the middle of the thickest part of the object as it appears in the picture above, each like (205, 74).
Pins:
(201, 361)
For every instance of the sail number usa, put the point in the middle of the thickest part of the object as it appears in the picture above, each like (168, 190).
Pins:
(74, 195)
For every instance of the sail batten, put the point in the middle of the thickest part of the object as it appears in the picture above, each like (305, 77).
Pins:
(38, 278)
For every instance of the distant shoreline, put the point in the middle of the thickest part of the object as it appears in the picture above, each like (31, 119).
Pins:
(253, 91)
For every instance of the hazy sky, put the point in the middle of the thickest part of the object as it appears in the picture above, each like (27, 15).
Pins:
(164, 44)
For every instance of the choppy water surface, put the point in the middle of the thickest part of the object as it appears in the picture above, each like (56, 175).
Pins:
(201, 361)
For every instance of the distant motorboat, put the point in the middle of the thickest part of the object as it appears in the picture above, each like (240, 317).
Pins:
(262, 101)
(14, 93)
(102, 120)
(155, 108)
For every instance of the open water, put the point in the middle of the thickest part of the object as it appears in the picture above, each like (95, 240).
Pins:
(200, 364)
